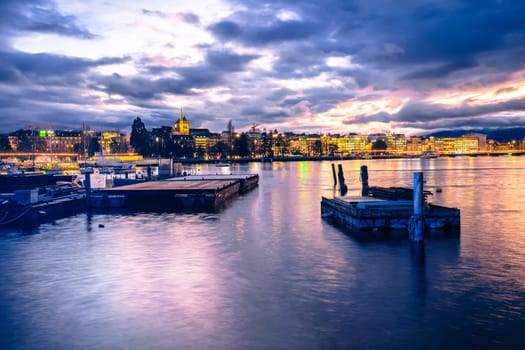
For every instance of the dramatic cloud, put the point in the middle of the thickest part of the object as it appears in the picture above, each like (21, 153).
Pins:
(326, 66)
(19, 66)
(430, 116)
(38, 17)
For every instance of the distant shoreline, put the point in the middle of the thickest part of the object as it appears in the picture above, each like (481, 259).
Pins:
(332, 158)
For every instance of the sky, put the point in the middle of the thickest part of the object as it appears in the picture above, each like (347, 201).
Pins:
(326, 66)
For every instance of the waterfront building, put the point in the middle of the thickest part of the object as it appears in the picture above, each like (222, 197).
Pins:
(182, 125)
(308, 145)
(203, 140)
(47, 141)
(112, 143)
(66, 141)
(456, 145)
(415, 146)
(396, 143)
(256, 142)
(352, 144)
(278, 144)
(482, 140)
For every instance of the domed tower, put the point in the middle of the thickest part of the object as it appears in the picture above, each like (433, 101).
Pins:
(182, 125)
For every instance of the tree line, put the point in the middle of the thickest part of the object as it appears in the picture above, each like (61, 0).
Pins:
(162, 142)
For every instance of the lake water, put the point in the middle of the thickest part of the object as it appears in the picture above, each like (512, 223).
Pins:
(267, 272)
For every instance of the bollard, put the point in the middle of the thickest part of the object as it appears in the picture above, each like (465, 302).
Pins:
(364, 180)
(334, 175)
(416, 221)
(342, 186)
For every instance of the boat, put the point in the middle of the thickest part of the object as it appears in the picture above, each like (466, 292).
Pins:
(429, 155)
(30, 207)
(222, 165)
(27, 180)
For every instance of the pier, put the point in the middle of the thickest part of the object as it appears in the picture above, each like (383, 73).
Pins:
(392, 212)
(192, 192)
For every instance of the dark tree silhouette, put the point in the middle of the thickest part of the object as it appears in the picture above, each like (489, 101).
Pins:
(220, 149)
(379, 145)
(78, 148)
(5, 146)
(241, 146)
(94, 146)
(140, 138)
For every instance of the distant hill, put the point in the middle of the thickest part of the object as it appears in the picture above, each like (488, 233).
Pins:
(501, 135)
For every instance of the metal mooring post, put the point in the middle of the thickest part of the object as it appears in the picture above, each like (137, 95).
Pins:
(416, 221)
(364, 180)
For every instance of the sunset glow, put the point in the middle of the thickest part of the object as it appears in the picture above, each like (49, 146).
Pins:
(298, 66)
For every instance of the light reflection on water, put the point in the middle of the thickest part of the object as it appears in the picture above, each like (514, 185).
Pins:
(267, 272)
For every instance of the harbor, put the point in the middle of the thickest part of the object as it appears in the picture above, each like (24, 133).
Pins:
(266, 268)
(33, 198)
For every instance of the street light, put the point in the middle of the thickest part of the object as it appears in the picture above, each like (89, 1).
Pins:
(158, 156)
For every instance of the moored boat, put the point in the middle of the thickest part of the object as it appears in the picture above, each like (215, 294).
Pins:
(30, 207)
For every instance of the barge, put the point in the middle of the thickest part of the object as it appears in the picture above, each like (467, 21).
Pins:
(30, 207)
(192, 192)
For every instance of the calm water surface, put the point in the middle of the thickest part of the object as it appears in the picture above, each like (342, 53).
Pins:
(267, 273)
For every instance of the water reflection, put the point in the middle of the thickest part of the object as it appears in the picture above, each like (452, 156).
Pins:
(268, 272)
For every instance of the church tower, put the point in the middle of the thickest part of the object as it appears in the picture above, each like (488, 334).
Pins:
(182, 125)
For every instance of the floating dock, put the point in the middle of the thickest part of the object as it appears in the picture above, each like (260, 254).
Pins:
(369, 217)
(389, 212)
(246, 181)
(192, 192)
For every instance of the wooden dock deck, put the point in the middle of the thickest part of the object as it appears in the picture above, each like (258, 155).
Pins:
(370, 217)
(247, 181)
(196, 192)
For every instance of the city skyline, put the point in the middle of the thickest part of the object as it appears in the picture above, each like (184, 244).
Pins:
(334, 66)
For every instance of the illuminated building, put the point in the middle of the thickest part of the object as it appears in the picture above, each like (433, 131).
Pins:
(456, 145)
(50, 141)
(396, 143)
(309, 145)
(482, 140)
(415, 146)
(112, 142)
(352, 144)
(203, 141)
(182, 125)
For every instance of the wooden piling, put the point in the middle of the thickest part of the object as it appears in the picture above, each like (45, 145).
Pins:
(364, 180)
(416, 221)
(342, 186)
(334, 175)
(87, 183)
